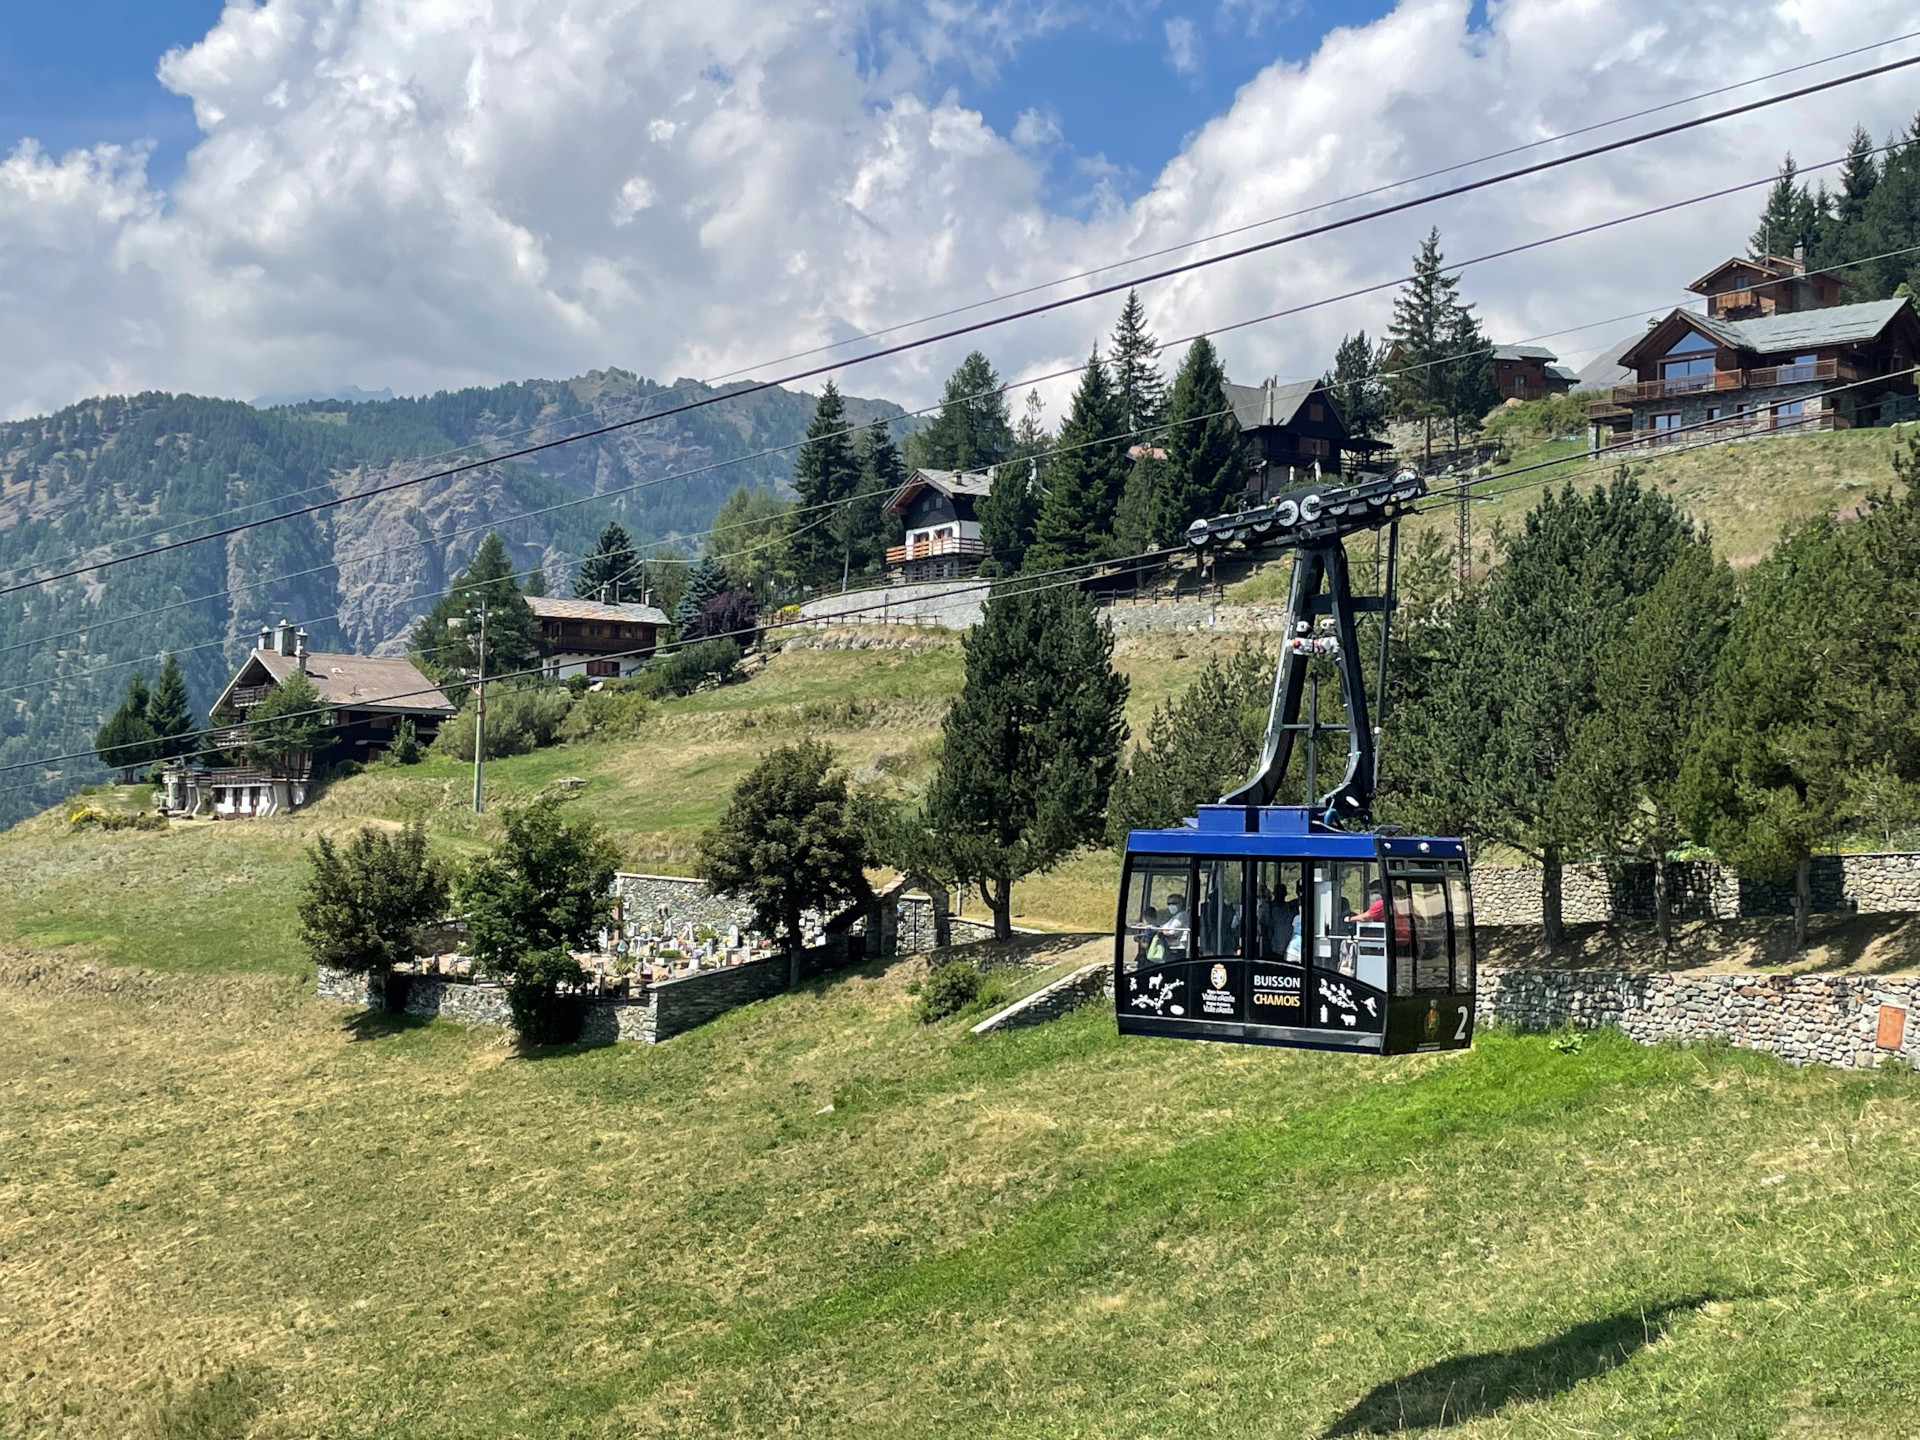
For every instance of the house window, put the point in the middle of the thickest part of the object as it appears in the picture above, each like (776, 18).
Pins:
(1314, 445)
(1520, 385)
(1713, 412)
(1790, 415)
(603, 669)
(1316, 411)
(1667, 422)
(1802, 367)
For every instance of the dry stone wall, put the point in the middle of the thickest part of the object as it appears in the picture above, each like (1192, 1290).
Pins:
(1702, 890)
(1855, 1021)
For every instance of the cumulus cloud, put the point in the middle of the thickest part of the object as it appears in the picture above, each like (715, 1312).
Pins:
(425, 196)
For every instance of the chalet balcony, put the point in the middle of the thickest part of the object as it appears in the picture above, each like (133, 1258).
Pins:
(246, 695)
(1678, 385)
(1751, 426)
(946, 547)
(1794, 374)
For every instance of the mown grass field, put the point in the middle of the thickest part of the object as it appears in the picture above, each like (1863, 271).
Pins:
(227, 1210)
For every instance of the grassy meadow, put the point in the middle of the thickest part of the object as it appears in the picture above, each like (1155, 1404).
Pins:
(230, 1210)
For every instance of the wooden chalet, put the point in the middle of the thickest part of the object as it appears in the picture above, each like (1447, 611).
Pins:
(368, 696)
(1293, 431)
(590, 637)
(1530, 372)
(1745, 288)
(939, 509)
(1706, 377)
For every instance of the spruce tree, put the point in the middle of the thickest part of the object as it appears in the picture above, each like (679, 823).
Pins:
(971, 431)
(827, 474)
(170, 713)
(1468, 390)
(1137, 383)
(705, 580)
(448, 652)
(863, 526)
(1008, 513)
(1356, 387)
(610, 571)
(1030, 746)
(1206, 455)
(1085, 477)
(1791, 216)
(1420, 338)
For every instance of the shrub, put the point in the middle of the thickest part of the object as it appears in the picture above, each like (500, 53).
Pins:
(948, 990)
(615, 713)
(732, 614)
(686, 670)
(543, 890)
(519, 719)
(91, 819)
(406, 748)
(364, 904)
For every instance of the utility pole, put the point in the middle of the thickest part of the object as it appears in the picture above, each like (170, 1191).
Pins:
(480, 715)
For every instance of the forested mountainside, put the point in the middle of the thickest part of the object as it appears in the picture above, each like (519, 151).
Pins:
(111, 475)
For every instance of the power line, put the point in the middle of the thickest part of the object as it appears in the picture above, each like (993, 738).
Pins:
(1001, 390)
(1468, 187)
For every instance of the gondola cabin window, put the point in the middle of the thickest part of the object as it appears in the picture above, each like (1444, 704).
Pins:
(1219, 907)
(1350, 921)
(1279, 895)
(1159, 925)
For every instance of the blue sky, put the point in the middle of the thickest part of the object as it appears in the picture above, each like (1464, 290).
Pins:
(79, 72)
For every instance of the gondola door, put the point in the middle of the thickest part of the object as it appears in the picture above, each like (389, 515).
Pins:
(1432, 1007)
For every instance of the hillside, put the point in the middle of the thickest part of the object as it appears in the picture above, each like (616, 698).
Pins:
(228, 1209)
(114, 469)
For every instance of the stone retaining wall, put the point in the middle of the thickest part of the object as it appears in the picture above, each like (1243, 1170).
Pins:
(1702, 890)
(688, 900)
(1190, 616)
(1835, 1019)
(1053, 1000)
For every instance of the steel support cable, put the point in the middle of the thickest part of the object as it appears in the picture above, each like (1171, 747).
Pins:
(997, 391)
(756, 387)
(1003, 390)
(1129, 260)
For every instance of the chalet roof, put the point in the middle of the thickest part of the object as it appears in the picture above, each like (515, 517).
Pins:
(554, 607)
(1774, 267)
(1777, 334)
(954, 484)
(361, 682)
(1258, 406)
(1524, 352)
(1563, 372)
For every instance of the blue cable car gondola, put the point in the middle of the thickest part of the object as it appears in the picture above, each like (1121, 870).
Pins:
(1265, 924)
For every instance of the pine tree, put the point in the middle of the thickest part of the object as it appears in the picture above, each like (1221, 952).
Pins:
(448, 652)
(1857, 178)
(1791, 217)
(170, 713)
(826, 473)
(1650, 685)
(1206, 462)
(1013, 504)
(610, 571)
(971, 431)
(863, 526)
(1030, 746)
(1137, 383)
(1085, 477)
(1468, 390)
(127, 742)
(1356, 386)
(1424, 326)
(706, 579)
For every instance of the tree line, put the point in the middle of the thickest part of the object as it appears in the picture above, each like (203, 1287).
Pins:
(1872, 215)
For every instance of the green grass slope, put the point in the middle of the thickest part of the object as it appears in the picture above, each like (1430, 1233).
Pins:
(227, 1209)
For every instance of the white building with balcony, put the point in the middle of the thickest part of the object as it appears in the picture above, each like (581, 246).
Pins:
(939, 510)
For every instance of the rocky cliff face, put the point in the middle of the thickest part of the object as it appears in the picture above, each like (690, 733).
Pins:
(116, 474)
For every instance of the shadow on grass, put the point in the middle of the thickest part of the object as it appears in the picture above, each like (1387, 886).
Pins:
(1472, 1387)
(379, 1024)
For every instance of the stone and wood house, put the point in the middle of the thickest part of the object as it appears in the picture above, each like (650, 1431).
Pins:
(367, 699)
(1773, 352)
(592, 638)
(940, 511)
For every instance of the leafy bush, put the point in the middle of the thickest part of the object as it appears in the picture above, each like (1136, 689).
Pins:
(685, 671)
(365, 903)
(519, 719)
(615, 713)
(406, 748)
(91, 819)
(948, 990)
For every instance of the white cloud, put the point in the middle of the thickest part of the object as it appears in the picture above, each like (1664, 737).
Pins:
(1183, 46)
(426, 196)
(1036, 129)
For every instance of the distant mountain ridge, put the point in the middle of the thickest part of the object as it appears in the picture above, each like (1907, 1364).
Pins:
(98, 475)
